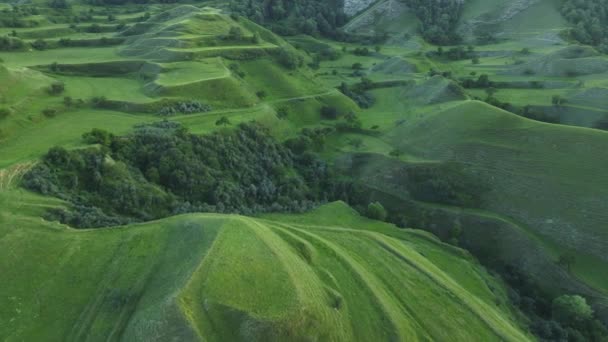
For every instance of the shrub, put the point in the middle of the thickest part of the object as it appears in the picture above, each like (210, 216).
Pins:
(571, 309)
(376, 211)
(56, 88)
(49, 112)
(4, 112)
(329, 112)
(185, 107)
(40, 44)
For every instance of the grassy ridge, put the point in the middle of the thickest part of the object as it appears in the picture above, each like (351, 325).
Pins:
(218, 277)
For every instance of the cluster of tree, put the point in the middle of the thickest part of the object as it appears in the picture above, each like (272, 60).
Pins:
(590, 19)
(292, 17)
(289, 59)
(446, 184)
(359, 92)
(160, 170)
(184, 107)
(439, 19)
(8, 43)
(455, 53)
(15, 16)
(563, 318)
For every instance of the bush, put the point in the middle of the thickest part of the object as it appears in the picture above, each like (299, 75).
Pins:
(49, 112)
(289, 59)
(329, 112)
(4, 112)
(376, 211)
(40, 44)
(185, 107)
(56, 88)
(571, 309)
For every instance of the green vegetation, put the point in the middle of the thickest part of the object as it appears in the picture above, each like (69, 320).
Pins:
(190, 277)
(159, 124)
(161, 170)
(590, 19)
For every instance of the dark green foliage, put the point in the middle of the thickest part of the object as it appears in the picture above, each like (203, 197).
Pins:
(98, 136)
(376, 211)
(359, 92)
(223, 121)
(11, 43)
(235, 34)
(455, 53)
(289, 59)
(59, 4)
(4, 112)
(56, 88)
(569, 309)
(291, 17)
(362, 51)
(184, 107)
(439, 19)
(49, 112)
(565, 318)
(590, 19)
(160, 170)
(329, 112)
(283, 113)
(444, 183)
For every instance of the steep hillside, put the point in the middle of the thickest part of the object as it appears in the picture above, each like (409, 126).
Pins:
(328, 275)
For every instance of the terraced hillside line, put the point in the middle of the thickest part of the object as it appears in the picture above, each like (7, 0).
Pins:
(303, 278)
(501, 327)
(11, 175)
(405, 326)
(97, 307)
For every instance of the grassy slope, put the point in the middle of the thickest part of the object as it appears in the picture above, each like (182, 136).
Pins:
(330, 275)
(534, 170)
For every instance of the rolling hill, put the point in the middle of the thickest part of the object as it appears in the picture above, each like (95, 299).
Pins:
(507, 199)
(329, 274)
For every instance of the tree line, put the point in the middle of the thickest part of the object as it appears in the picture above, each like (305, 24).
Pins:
(590, 19)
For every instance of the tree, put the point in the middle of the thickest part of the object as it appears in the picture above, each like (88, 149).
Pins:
(67, 101)
(235, 33)
(40, 44)
(357, 66)
(491, 92)
(4, 112)
(475, 60)
(223, 121)
(376, 211)
(282, 113)
(566, 260)
(571, 309)
(56, 88)
(558, 100)
(329, 112)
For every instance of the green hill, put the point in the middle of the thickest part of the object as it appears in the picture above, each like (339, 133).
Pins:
(375, 114)
(531, 184)
(328, 275)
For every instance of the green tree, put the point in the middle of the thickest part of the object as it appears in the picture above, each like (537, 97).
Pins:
(571, 309)
(223, 121)
(376, 211)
